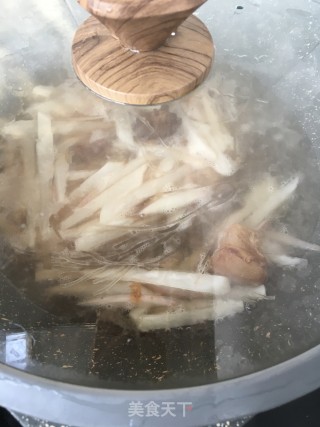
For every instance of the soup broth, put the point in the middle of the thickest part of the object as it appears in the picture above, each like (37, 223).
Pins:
(165, 217)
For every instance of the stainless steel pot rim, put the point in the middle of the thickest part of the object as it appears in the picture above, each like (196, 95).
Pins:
(232, 398)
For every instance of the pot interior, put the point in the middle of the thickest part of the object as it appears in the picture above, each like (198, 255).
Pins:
(83, 297)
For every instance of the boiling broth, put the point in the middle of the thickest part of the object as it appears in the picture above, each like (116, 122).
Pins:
(105, 195)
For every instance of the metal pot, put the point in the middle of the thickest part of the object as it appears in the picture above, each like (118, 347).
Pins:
(77, 368)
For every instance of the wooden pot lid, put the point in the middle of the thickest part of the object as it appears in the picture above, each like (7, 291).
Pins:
(113, 70)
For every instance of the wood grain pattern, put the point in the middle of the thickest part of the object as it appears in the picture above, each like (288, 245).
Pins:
(141, 25)
(144, 78)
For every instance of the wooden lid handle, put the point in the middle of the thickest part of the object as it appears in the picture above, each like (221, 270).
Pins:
(142, 52)
(141, 25)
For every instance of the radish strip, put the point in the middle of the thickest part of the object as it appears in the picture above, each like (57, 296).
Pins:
(91, 226)
(125, 300)
(288, 240)
(178, 199)
(253, 200)
(92, 240)
(45, 161)
(193, 282)
(61, 177)
(178, 318)
(99, 181)
(79, 175)
(275, 200)
(30, 188)
(145, 191)
(88, 125)
(124, 131)
(247, 293)
(207, 135)
(127, 183)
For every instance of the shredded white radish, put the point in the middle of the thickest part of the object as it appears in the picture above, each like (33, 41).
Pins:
(98, 181)
(45, 161)
(274, 202)
(45, 148)
(61, 177)
(126, 183)
(140, 214)
(247, 293)
(207, 136)
(146, 190)
(197, 144)
(93, 239)
(123, 128)
(178, 199)
(68, 128)
(253, 200)
(30, 194)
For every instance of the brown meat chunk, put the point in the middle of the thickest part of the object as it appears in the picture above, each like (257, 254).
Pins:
(89, 155)
(156, 123)
(239, 256)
